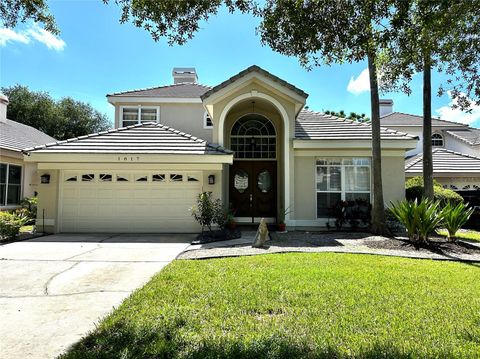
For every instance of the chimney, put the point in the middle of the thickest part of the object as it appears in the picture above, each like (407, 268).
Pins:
(386, 107)
(183, 75)
(3, 107)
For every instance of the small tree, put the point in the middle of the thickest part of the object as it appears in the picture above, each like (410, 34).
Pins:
(208, 211)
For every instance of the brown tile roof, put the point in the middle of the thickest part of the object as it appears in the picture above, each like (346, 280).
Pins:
(16, 136)
(146, 138)
(253, 68)
(183, 90)
(445, 161)
(316, 125)
(405, 119)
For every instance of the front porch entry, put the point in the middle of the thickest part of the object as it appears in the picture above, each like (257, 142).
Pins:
(253, 190)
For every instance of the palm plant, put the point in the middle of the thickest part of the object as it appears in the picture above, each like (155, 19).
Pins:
(454, 217)
(419, 218)
(431, 217)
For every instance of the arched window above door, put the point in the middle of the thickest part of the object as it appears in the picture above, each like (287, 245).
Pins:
(253, 136)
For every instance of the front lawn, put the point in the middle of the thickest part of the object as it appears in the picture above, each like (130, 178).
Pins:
(321, 305)
(467, 234)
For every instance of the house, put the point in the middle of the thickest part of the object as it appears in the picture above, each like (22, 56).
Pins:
(248, 140)
(456, 148)
(17, 177)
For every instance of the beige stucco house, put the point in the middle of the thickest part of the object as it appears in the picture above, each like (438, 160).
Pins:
(456, 148)
(17, 177)
(248, 140)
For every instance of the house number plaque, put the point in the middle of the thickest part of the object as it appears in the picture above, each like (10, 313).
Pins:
(128, 158)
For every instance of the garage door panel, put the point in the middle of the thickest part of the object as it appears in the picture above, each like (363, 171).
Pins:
(128, 207)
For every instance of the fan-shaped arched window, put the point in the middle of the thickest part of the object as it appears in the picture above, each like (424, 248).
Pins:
(437, 140)
(253, 136)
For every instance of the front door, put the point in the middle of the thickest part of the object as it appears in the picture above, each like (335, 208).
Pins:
(253, 189)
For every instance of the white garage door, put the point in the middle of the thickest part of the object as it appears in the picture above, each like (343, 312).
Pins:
(135, 202)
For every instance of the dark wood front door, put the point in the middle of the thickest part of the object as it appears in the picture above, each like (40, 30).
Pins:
(253, 189)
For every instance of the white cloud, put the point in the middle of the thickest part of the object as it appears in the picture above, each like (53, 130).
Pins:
(9, 35)
(47, 38)
(34, 32)
(360, 84)
(450, 114)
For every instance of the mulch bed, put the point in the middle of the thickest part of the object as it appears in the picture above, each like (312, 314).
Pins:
(434, 245)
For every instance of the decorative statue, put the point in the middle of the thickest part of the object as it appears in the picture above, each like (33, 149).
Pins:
(262, 235)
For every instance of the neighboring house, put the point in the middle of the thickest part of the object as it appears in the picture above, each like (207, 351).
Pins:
(17, 178)
(456, 148)
(247, 140)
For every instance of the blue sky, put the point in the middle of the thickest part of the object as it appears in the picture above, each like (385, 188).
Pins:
(95, 55)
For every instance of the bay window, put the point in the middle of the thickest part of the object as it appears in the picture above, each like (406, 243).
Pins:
(341, 179)
(10, 184)
(139, 114)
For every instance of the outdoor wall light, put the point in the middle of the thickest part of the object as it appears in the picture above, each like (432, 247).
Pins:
(45, 178)
(211, 179)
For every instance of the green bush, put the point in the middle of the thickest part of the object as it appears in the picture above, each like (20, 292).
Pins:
(414, 191)
(209, 211)
(419, 218)
(11, 222)
(418, 181)
(29, 204)
(454, 217)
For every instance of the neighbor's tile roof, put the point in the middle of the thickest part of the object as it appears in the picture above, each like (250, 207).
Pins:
(469, 135)
(445, 161)
(319, 126)
(183, 90)
(405, 119)
(147, 138)
(16, 136)
(253, 68)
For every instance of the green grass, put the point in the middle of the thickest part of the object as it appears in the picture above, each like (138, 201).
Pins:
(463, 234)
(321, 305)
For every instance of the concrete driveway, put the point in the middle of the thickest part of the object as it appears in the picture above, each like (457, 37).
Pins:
(54, 289)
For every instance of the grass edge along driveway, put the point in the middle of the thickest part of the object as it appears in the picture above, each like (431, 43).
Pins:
(318, 305)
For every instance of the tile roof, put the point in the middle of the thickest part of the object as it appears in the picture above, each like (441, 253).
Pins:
(469, 135)
(405, 119)
(146, 138)
(183, 90)
(445, 161)
(253, 68)
(316, 125)
(16, 136)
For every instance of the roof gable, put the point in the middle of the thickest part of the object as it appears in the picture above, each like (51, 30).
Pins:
(247, 71)
(145, 138)
(16, 136)
(311, 125)
(471, 136)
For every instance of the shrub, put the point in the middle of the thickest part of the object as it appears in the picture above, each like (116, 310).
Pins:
(419, 218)
(418, 182)
(209, 211)
(11, 222)
(454, 217)
(354, 213)
(414, 191)
(29, 204)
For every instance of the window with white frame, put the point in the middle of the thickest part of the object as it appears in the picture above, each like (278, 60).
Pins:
(10, 184)
(341, 179)
(139, 114)
(437, 140)
(207, 120)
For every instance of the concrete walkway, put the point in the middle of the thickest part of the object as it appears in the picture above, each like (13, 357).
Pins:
(55, 288)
